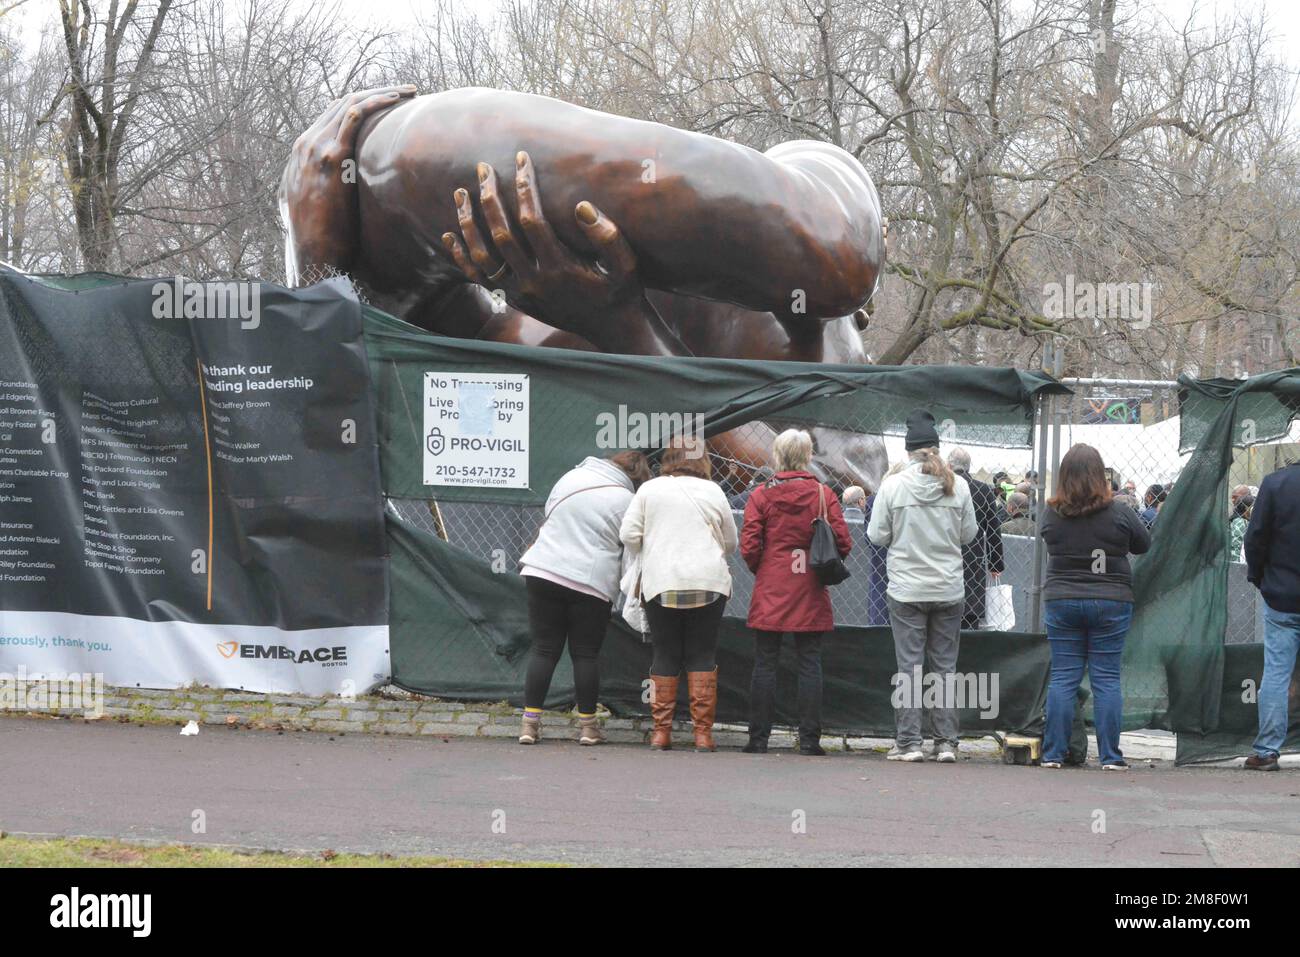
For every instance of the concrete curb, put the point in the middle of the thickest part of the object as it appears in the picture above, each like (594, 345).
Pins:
(392, 711)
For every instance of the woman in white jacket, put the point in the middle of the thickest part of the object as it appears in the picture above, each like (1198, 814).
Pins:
(571, 574)
(681, 525)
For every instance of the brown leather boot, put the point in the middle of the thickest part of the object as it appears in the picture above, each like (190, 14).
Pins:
(662, 707)
(703, 688)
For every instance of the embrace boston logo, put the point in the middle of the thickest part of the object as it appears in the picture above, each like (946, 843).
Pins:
(326, 656)
(76, 910)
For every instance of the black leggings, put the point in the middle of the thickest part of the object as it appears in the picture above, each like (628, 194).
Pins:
(554, 614)
(685, 639)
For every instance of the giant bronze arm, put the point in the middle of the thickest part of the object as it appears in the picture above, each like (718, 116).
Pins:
(795, 231)
(414, 226)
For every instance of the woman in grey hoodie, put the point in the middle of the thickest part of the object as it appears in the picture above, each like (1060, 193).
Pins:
(571, 573)
(923, 515)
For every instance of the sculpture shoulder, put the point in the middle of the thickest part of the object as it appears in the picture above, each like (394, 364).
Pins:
(460, 112)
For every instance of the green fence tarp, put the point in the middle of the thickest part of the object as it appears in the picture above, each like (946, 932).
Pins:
(1181, 588)
(459, 625)
(1173, 668)
(1243, 666)
(571, 388)
(459, 630)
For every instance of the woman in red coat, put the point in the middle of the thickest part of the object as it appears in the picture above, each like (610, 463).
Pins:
(775, 541)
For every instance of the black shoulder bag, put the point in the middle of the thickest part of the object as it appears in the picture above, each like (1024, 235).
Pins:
(824, 554)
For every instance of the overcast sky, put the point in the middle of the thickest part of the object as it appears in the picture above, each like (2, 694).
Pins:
(1284, 15)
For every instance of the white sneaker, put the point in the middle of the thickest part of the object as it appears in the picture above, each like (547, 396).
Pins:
(911, 755)
(947, 754)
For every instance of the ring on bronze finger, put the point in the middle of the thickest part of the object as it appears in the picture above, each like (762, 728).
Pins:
(499, 273)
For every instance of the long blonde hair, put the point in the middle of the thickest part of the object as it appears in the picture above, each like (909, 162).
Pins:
(932, 463)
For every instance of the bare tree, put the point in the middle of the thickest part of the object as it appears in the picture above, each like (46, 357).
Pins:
(33, 211)
(109, 62)
(1019, 147)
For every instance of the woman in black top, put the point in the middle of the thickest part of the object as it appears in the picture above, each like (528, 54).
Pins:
(1089, 601)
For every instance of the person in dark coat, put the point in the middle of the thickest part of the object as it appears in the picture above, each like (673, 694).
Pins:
(877, 574)
(1273, 566)
(738, 500)
(1154, 498)
(982, 558)
(788, 597)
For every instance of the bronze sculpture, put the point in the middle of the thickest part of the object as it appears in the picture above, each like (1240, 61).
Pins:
(520, 218)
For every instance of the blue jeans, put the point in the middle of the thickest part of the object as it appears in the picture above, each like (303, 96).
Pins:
(1281, 640)
(1085, 632)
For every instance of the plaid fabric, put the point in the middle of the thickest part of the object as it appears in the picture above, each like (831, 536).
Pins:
(686, 599)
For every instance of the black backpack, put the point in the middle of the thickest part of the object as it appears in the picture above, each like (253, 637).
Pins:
(824, 554)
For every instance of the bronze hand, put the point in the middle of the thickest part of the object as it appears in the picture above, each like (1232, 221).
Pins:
(318, 200)
(597, 296)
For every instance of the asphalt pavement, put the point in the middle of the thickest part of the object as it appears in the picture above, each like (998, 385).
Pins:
(623, 805)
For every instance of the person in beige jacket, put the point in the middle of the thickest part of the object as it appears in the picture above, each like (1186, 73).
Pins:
(681, 526)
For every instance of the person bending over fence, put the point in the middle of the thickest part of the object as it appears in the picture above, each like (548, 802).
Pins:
(571, 573)
(680, 525)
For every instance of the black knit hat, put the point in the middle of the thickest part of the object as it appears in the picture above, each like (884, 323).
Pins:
(921, 433)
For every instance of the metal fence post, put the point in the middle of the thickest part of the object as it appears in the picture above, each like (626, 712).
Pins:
(1045, 407)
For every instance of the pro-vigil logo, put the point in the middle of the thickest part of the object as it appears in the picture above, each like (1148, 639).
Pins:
(133, 911)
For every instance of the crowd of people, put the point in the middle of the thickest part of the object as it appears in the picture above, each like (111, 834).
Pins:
(615, 537)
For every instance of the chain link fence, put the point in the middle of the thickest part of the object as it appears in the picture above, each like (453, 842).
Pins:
(1133, 423)
(999, 566)
(1012, 462)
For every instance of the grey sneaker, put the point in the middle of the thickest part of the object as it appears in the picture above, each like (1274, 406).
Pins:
(911, 754)
(946, 754)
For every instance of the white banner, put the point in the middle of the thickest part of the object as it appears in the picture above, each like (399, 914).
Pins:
(171, 654)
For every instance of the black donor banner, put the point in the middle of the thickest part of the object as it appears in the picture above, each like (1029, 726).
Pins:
(189, 485)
